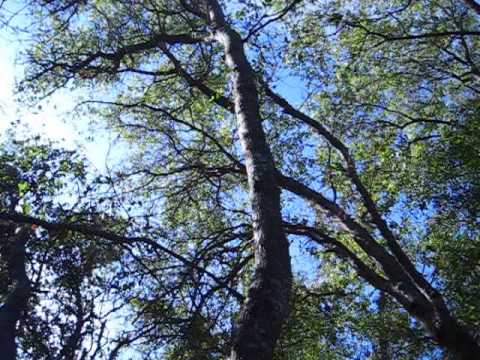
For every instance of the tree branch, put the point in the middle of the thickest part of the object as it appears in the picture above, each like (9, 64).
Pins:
(474, 5)
(90, 230)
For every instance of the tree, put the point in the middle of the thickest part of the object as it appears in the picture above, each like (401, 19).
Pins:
(385, 83)
(52, 289)
(267, 303)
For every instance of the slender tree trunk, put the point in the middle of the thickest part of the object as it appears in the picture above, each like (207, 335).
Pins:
(7, 339)
(267, 304)
(474, 5)
(458, 341)
(428, 308)
(449, 333)
(14, 254)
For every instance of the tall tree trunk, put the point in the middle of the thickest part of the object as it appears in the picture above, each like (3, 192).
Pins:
(474, 5)
(14, 254)
(267, 305)
(448, 332)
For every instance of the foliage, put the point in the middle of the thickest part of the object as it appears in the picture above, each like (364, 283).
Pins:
(380, 146)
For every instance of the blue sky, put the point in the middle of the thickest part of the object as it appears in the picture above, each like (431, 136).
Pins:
(53, 119)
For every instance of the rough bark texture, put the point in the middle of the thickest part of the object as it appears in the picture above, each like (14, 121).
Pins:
(266, 307)
(14, 254)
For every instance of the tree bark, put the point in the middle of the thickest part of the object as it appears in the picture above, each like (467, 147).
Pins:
(435, 317)
(410, 289)
(14, 253)
(267, 305)
(447, 332)
(474, 5)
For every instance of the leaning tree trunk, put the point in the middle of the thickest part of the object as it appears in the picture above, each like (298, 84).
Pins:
(14, 254)
(458, 341)
(267, 304)
(448, 332)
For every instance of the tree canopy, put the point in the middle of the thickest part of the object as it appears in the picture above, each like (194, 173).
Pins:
(298, 180)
